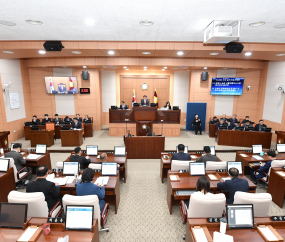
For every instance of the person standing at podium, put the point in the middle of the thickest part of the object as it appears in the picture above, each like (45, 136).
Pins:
(35, 120)
(78, 117)
(197, 124)
(76, 124)
(144, 101)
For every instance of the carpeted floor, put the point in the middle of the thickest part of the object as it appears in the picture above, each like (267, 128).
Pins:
(143, 212)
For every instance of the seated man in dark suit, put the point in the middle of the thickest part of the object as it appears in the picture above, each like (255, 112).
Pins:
(67, 119)
(46, 119)
(207, 156)
(56, 119)
(224, 117)
(180, 155)
(49, 189)
(261, 126)
(144, 101)
(246, 119)
(247, 125)
(35, 120)
(19, 161)
(78, 158)
(233, 185)
(264, 167)
(214, 120)
(233, 125)
(123, 105)
(78, 117)
(76, 124)
(234, 119)
(221, 123)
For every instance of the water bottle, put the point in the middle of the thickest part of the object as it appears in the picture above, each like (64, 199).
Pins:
(56, 171)
(29, 151)
(75, 175)
(223, 225)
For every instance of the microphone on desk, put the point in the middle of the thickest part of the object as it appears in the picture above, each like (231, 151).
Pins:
(161, 127)
(126, 120)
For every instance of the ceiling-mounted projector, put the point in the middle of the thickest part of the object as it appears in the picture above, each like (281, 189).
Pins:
(222, 31)
(53, 46)
(234, 48)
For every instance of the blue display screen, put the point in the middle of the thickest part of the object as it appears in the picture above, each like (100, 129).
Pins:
(227, 86)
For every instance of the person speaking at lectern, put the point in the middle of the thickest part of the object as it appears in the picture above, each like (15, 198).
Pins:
(144, 101)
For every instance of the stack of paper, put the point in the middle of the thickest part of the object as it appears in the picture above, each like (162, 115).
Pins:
(268, 234)
(243, 155)
(70, 179)
(61, 181)
(173, 178)
(33, 156)
(200, 235)
(212, 177)
(226, 178)
(102, 180)
(193, 157)
(50, 177)
(28, 234)
(257, 157)
(280, 173)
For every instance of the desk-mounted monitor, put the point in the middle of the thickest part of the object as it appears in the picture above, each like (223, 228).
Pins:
(256, 149)
(13, 215)
(280, 148)
(235, 164)
(240, 216)
(41, 149)
(4, 164)
(197, 168)
(79, 217)
(69, 168)
(92, 150)
(119, 150)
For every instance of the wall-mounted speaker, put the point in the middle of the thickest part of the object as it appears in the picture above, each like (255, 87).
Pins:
(85, 75)
(204, 76)
(53, 46)
(233, 48)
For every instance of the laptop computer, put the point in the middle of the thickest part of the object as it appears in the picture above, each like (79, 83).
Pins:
(92, 150)
(240, 216)
(79, 217)
(109, 168)
(4, 164)
(13, 215)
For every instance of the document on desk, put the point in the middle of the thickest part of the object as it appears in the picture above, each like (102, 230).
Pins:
(70, 179)
(50, 177)
(200, 235)
(212, 177)
(268, 234)
(173, 178)
(102, 180)
(243, 155)
(282, 173)
(219, 237)
(33, 156)
(28, 234)
(257, 157)
(61, 181)
(193, 157)
(226, 178)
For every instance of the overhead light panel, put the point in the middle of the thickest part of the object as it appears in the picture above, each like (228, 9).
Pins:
(125, 67)
(111, 52)
(34, 22)
(7, 23)
(180, 53)
(247, 53)
(279, 26)
(256, 24)
(146, 23)
(8, 52)
(146, 53)
(276, 54)
(76, 52)
(42, 52)
(214, 53)
(84, 66)
(165, 67)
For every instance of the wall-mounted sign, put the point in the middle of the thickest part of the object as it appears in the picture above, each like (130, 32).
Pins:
(84, 90)
(144, 86)
(14, 100)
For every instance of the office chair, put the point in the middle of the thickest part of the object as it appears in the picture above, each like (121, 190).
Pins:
(50, 126)
(177, 165)
(95, 166)
(274, 163)
(214, 165)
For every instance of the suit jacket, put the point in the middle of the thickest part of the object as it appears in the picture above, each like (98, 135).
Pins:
(233, 120)
(57, 120)
(18, 159)
(78, 126)
(208, 157)
(256, 128)
(67, 120)
(80, 120)
(81, 159)
(232, 186)
(46, 121)
(61, 89)
(219, 124)
(37, 122)
(231, 126)
(265, 168)
(89, 188)
(125, 106)
(180, 156)
(214, 121)
(142, 102)
(243, 121)
(198, 123)
(88, 119)
(51, 192)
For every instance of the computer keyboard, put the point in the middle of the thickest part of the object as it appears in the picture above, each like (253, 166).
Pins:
(185, 192)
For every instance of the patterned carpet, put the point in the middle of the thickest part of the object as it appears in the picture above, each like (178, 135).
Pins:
(143, 212)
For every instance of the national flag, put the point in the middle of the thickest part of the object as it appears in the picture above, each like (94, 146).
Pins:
(51, 85)
(155, 99)
(70, 84)
(134, 97)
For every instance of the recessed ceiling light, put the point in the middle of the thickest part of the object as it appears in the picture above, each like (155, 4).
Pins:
(89, 21)
(42, 52)
(165, 67)
(8, 52)
(256, 24)
(84, 66)
(125, 67)
(146, 53)
(214, 53)
(276, 54)
(180, 53)
(145, 67)
(111, 52)
(7, 23)
(247, 53)
(279, 26)
(146, 23)
(76, 52)
(34, 22)
(205, 68)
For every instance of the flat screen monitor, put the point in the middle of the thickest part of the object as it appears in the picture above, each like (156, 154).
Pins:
(91, 149)
(240, 216)
(235, 164)
(109, 169)
(256, 149)
(280, 148)
(185, 149)
(28, 123)
(79, 217)
(197, 168)
(12, 145)
(41, 149)
(4, 165)
(224, 127)
(70, 167)
(35, 127)
(13, 215)
(64, 127)
(239, 128)
(119, 150)
(227, 86)
(61, 85)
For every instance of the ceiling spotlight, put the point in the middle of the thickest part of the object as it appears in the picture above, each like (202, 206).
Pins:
(279, 26)
(180, 53)
(76, 52)
(89, 21)
(145, 67)
(256, 24)
(276, 54)
(8, 52)
(125, 67)
(34, 22)
(146, 53)
(165, 67)
(146, 23)
(111, 52)
(247, 53)
(162, 69)
(214, 53)
(42, 52)
(7, 23)
(84, 66)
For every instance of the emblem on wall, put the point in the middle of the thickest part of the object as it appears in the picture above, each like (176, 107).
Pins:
(144, 126)
(144, 86)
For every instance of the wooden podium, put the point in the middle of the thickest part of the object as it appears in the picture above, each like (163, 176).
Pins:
(141, 127)
(4, 139)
